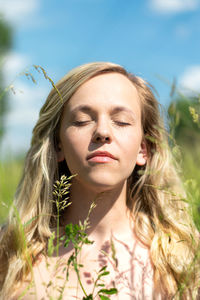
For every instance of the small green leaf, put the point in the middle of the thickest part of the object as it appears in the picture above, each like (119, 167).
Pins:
(51, 247)
(103, 274)
(101, 284)
(62, 238)
(102, 297)
(89, 297)
(108, 292)
(30, 221)
(102, 269)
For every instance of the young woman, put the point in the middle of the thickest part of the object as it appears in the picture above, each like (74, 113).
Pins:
(102, 124)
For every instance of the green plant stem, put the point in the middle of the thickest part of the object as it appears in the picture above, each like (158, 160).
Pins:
(81, 285)
(58, 224)
(78, 275)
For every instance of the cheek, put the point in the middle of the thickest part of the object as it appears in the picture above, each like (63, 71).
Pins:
(130, 155)
(130, 146)
(130, 140)
(74, 148)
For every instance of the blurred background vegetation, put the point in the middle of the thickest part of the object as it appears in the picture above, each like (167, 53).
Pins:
(5, 45)
(184, 128)
(9, 170)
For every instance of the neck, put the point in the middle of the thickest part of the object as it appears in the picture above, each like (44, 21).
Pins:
(110, 216)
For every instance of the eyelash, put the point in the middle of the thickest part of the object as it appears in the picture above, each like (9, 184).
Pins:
(82, 123)
(121, 123)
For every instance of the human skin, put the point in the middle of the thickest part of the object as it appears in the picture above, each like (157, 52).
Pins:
(104, 114)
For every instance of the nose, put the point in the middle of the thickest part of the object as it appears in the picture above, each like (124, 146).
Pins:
(102, 133)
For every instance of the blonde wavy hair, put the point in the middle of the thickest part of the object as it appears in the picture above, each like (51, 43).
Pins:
(155, 196)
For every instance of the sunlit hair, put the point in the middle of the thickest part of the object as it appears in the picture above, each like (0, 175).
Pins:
(155, 195)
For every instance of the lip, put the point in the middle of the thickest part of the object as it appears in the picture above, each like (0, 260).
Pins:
(101, 156)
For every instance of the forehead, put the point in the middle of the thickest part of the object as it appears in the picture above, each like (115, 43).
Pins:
(106, 90)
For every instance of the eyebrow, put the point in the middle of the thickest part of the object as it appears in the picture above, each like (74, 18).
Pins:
(83, 108)
(119, 109)
(114, 110)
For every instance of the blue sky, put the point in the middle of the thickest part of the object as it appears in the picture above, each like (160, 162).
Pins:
(158, 40)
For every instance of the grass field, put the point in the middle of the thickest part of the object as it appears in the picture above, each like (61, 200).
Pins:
(10, 173)
(191, 175)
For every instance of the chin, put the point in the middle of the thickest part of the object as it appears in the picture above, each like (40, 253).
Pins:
(104, 184)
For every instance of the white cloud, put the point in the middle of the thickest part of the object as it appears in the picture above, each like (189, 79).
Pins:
(18, 11)
(13, 64)
(173, 6)
(190, 80)
(22, 116)
(24, 103)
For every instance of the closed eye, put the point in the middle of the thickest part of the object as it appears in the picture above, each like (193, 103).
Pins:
(120, 123)
(81, 123)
